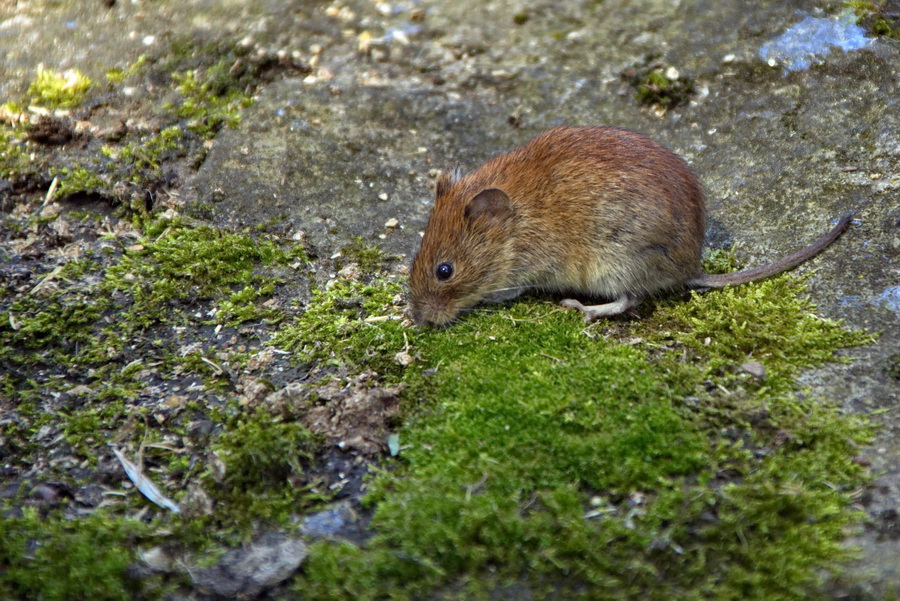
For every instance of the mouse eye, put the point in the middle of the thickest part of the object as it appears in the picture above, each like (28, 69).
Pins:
(443, 271)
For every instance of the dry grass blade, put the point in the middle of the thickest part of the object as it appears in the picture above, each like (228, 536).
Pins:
(147, 488)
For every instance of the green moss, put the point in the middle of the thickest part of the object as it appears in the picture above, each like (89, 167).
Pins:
(126, 305)
(137, 162)
(266, 460)
(46, 324)
(247, 305)
(57, 560)
(156, 296)
(211, 99)
(80, 268)
(12, 108)
(18, 435)
(654, 87)
(204, 211)
(535, 450)
(53, 90)
(85, 428)
(119, 75)
(78, 179)
(14, 160)
(140, 161)
(149, 154)
(538, 442)
(735, 325)
(348, 321)
(885, 27)
(720, 261)
(876, 16)
(369, 258)
(98, 317)
(344, 571)
(259, 450)
(178, 263)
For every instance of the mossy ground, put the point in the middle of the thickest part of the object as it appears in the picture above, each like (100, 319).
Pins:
(131, 328)
(208, 87)
(630, 458)
(140, 345)
(626, 458)
(543, 450)
(45, 557)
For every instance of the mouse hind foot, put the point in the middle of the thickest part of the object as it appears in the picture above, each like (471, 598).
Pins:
(595, 312)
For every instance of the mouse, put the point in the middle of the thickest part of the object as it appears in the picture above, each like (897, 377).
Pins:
(596, 212)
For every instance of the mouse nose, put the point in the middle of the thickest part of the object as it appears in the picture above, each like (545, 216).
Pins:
(416, 314)
(420, 320)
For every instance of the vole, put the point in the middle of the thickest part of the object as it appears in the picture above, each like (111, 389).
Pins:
(598, 212)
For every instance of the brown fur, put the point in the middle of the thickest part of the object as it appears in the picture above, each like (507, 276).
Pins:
(597, 211)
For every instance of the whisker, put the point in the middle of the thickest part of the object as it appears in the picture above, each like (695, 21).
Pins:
(508, 288)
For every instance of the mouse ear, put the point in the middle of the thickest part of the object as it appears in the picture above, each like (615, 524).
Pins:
(446, 179)
(491, 203)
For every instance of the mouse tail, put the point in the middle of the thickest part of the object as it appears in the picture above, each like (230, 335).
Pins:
(742, 277)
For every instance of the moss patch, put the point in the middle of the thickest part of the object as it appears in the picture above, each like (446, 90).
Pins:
(120, 348)
(265, 461)
(138, 338)
(116, 76)
(159, 278)
(56, 560)
(619, 460)
(348, 321)
(877, 16)
(207, 99)
(14, 160)
(174, 263)
(78, 179)
(735, 325)
(543, 451)
(52, 90)
(659, 85)
(95, 316)
(210, 99)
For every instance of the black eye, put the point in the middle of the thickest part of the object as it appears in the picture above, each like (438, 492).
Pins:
(444, 271)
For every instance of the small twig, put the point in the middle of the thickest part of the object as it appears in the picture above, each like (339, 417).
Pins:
(50, 192)
(557, 359)
(219, 370)
(47, 279)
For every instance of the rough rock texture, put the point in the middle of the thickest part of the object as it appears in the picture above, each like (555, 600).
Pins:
(245, 572)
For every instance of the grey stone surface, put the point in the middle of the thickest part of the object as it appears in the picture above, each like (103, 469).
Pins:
(330, 522)
(246, 572)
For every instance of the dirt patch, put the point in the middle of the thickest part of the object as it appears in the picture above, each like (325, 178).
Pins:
(354, 413)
